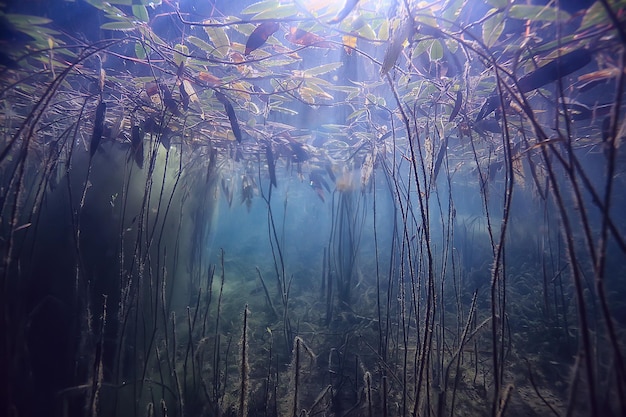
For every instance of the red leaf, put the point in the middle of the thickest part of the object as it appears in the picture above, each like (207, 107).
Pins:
(304, 38)
(259, 35)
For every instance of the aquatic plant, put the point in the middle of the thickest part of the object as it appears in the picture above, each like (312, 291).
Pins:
(435, 190)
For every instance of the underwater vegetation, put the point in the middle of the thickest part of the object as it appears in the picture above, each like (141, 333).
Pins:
(310, 208)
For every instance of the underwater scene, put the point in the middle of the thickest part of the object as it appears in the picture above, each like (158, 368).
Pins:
(290, 208)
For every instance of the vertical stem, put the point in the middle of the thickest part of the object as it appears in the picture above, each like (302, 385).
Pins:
(296, 374)
(244, 371)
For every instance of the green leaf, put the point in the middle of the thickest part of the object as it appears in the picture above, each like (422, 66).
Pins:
(345, 89)
(65, 52)
(356, 115)
(140, 51)
(594, 15)
(245, 28)
(283, 110)
(111, 10)
(492, 29)
(181, 53)
(436, 51)
(534, 13)
(452, 10)
(353, 95)
(322, 69)
(218, 38)
(371, 99)
(26, 20)
(260, 7)
(332, 127)
(396, 45)
(427, 18)
(421, 46)
(122, 26)
(452, 45)
(268, 63)
(200, 43)
(498, 4)
(280, 12)
(148, 34)
(383, 31)
(96, 3)
(367, 32)
(254, 109)
(141, 13)
(319, 90)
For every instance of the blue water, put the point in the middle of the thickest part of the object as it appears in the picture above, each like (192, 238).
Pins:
(151, 268)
